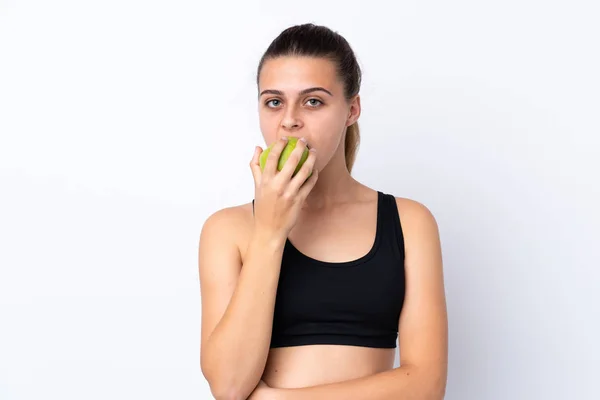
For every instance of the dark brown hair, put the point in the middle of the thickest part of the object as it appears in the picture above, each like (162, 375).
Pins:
(312, 40)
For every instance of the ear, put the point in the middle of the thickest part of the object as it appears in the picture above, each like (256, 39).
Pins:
(354, 112)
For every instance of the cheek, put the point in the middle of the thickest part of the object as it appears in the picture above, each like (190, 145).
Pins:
(268, 129)
(327, 143)
(326, 126)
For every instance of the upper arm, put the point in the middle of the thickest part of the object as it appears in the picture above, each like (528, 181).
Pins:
(219, 264)
(423, 325)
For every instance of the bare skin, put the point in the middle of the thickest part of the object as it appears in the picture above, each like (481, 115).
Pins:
(343, 233)
(338, 220)
(332, 219)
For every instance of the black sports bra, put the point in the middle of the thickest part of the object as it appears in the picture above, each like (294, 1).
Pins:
(355, 302)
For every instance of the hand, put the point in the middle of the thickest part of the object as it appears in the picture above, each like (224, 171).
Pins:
(278, 194)
(263, 392)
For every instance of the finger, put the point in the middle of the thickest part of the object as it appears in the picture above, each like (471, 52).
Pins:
(255, 165)
(304, 172)
(292, 162)
(273, 158)
(308, 185)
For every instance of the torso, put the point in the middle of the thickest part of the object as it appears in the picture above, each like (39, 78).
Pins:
(302, 366)
(338, 236)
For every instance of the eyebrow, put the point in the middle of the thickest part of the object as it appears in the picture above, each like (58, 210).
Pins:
(303, 92)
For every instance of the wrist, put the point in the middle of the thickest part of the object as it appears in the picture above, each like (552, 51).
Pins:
(268, 239)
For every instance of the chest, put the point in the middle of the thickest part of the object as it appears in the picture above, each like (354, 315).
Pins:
(367, 290)
(340, 237)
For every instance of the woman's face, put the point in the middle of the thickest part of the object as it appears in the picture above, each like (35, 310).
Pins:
(303, 97)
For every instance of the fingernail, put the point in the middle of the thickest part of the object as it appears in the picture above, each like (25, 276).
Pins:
(312, 149)
(284, 138)
(303, 139)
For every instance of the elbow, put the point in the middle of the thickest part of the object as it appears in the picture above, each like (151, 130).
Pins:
(224, 386)
(226, 394)
(431, 392)
(220, 388)
(436, 395)
(436, 389)
(431, 383)
(224, 391)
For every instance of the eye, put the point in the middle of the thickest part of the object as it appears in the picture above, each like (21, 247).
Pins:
(273, 103)
(267, 103)
(317, 100)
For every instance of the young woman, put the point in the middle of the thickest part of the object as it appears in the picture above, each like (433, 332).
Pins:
(306, 289)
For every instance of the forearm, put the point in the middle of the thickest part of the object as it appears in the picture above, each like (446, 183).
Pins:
(237, 350)
(402, 383)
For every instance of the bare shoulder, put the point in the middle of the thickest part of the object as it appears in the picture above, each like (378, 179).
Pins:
(224, 233)
(415, 215)
(419, 229)
(228, 222)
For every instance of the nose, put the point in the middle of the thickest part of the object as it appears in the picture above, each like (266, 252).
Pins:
(290, 120)
(290, 124)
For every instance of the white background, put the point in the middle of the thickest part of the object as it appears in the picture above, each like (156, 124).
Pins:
(124, 124)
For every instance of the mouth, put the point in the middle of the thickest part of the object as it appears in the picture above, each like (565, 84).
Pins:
(306, 140)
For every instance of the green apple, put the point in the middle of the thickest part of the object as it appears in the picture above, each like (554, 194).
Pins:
(287, 150)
